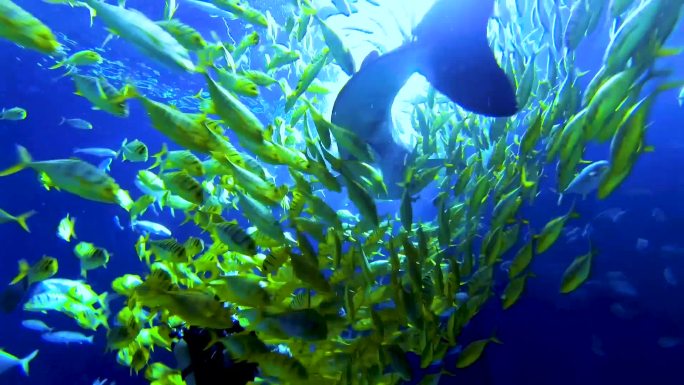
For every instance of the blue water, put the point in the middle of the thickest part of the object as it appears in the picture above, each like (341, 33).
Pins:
(548, 338)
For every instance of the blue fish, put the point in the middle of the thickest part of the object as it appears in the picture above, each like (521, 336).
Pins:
(587, 181)
(451, 50)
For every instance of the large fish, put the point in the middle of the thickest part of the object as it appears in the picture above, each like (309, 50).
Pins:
(450, 48)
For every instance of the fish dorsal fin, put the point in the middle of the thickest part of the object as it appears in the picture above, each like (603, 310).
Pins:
(372, 55)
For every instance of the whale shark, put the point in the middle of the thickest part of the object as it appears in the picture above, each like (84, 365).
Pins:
(450, 48)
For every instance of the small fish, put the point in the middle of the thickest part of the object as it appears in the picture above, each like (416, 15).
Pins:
(193, 246)
(21, 219)
(65, 229)
(35, 324)
(117, 222)
(669, 342)
(134, 151)
(670, 277)
(587, 181)
(182, 159)
(97, 151)
(577, 273)
(147, 227)
(619, 284)
(8, 361)
(151, 39)
(184, 185)
(186, 35)
(642, 244)
(658, 215)
(125, 285)
(614, 214)
(473, 352)
(79, 59)
(77, 123)
(14, 113)
(75, 176)
(67, 337)
(232, 235)
(42, 270)
(91, 256)
(103, 96)
(165, 249)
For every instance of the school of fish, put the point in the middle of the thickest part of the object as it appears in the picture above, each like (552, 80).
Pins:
(349, 294)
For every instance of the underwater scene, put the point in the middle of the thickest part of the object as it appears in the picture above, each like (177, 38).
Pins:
(215, 192)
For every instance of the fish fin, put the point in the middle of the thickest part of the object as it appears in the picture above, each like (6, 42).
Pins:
(24, 160)
(158, 158)
(58, 65)
(457, 60)
(560, 199)
(21, 220)
(169, 11)
(372, 56)
(24, 269)
(24, 362)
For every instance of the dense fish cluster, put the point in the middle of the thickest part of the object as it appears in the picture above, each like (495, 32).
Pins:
(330, 296)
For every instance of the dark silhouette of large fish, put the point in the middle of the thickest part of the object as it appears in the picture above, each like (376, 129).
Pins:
(451, 50)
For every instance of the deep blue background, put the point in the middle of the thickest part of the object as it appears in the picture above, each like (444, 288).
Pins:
(547, 337)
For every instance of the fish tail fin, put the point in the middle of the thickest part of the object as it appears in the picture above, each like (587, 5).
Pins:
(206, 59)
(127, 92)
(169, 11)
(26, 360)
(455, 56)
(494, 338)
(158, 158)
(120, 152)
(310, 11)
(102, 299)
(215, 338)
(21, 219)
(24, 160)
(62, 121)
(24, 269)
(59, 64)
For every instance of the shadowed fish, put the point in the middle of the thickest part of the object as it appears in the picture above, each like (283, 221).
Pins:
(450, 48)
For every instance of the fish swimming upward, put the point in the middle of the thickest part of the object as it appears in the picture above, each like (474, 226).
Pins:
(451, 50)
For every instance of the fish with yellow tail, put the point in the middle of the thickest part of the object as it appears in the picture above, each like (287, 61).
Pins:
(45, 268)
(473, 352)
(6, 217)
(144, 34)
(75, 176)
(8, 361)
